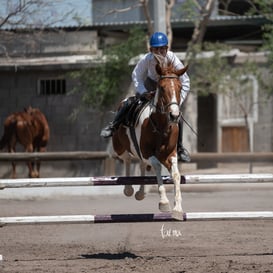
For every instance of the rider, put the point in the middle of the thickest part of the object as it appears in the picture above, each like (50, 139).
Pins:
(145, 79)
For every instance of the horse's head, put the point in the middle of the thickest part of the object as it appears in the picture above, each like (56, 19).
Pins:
(169, 89)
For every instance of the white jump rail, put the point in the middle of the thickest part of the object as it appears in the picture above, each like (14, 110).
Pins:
(127, 218)
(133, 180)
(229, 178)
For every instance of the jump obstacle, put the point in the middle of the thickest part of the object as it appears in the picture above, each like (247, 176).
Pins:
(137, 180)
(132, 180)
(132, 218)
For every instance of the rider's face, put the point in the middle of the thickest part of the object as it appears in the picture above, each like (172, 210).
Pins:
(162, 50)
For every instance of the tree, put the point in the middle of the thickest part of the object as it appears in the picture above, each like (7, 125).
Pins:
(102, 86)
(34, 17)
(217, 67)
(36, 14)
(265, 8)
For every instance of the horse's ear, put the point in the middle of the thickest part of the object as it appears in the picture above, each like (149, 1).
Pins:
(158, 69)
(182, 70)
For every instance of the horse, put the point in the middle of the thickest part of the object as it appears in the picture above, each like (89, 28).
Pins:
(154, 137)
(29, 128)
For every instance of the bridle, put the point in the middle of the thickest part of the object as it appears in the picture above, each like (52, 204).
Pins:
(163, 109)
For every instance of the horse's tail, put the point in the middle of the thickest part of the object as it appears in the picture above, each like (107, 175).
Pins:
(9, 129)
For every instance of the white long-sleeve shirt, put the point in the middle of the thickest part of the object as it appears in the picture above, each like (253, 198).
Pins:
(146, 68)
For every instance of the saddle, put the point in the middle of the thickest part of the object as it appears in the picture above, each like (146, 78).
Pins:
(135, 108)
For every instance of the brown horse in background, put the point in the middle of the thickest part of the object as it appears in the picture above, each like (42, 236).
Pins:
(30, 129)
(154, 137)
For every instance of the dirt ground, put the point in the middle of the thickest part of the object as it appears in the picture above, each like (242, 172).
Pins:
(211, 246)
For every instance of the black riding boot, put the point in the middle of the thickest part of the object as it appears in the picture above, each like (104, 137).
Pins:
(182, 153)
(108, 130)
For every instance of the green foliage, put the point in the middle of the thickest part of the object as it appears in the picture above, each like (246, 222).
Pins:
(189, 9)
(211, 66)
(208, 69)
(265, 8)
(101, 86)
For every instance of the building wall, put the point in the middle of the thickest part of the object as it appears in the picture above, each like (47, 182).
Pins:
(48, 43)
(19, 89)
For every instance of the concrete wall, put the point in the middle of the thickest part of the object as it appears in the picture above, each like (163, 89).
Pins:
(19, 90)
(48, 43)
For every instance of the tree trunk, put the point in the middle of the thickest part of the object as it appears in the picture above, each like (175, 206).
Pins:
(201, 25)
(169, 6)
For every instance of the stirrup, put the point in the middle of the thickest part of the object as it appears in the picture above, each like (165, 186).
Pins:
(183, 155)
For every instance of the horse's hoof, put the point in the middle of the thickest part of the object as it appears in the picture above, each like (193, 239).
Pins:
(177, 215)
(139, 195)
(164, 207)
(128, 191)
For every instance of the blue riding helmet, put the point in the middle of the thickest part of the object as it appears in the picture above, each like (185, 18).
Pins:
(158, 39)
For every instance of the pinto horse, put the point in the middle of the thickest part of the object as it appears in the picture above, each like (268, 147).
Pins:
(30, 129)
(154, 137)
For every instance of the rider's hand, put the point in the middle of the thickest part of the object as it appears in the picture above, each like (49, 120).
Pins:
(147, 95)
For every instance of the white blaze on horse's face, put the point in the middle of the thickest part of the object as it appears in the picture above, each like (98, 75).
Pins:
(174, 108)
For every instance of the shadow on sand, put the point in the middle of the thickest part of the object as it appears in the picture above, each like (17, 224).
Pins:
(110, 256)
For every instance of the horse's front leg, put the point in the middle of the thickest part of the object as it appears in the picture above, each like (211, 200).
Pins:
(177, 212)
(164, 204)
(140, 194)
(38, 162)
(13, 164)
(13, 175)
(31, 172)
(128, 189)
(38, 165)
(30, 164)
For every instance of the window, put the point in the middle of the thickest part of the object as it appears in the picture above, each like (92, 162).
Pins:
(51, 87)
